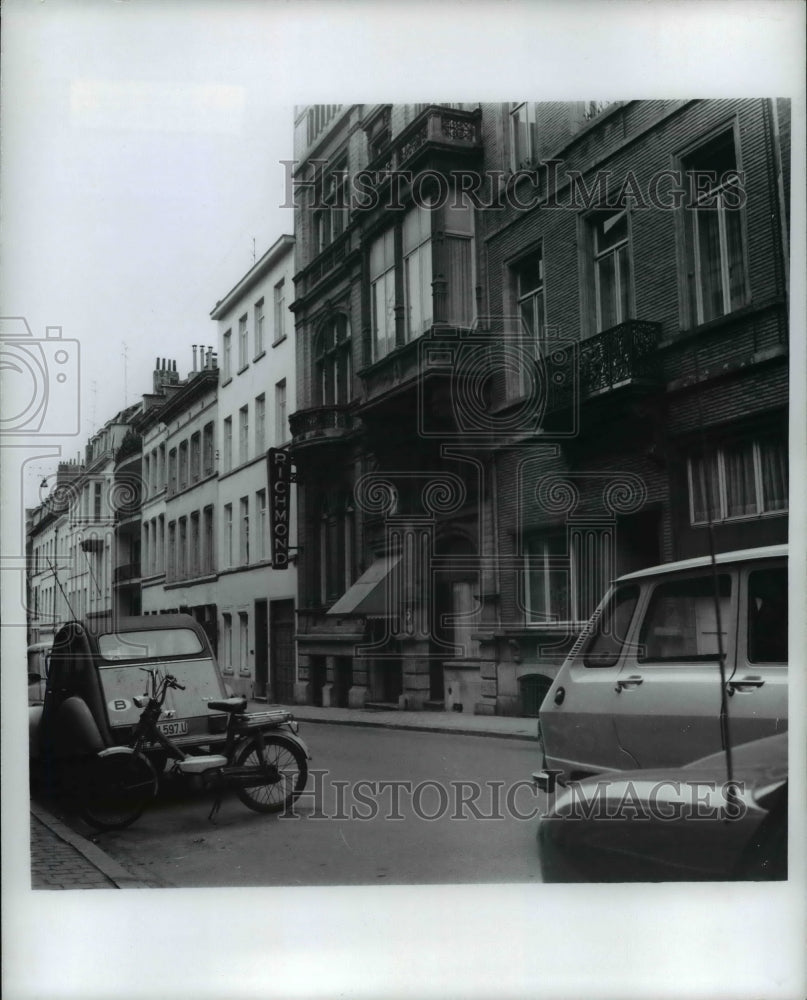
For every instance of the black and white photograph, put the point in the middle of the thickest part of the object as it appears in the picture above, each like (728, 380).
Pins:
(402, 499)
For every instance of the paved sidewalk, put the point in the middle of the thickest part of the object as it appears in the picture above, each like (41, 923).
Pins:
(503, 726)
(63, 859)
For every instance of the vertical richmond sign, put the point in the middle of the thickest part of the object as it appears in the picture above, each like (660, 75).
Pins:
(279, 491)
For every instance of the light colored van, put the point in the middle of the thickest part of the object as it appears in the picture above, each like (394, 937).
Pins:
(641, 687)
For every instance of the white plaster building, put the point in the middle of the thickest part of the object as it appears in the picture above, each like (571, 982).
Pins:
(256, 394)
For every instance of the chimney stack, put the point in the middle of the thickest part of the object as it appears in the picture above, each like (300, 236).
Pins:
(193, 347)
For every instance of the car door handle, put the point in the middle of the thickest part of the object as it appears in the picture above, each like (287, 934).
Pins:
(744, 684)
(628, 682)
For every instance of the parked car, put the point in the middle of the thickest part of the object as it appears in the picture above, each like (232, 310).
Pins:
(38, 658)
(98, 667)
(641, 688)
(673, 824)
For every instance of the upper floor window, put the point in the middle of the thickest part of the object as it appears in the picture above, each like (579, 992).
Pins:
(243, 531)
(739, 479)
(458, 223)
(183, 464)
(228, 443)
(382, 292)
(716, 270)
(280, 311)
(207, 448)
(612, 268)
(172, 470)
(523, 141)
(260, 424)
(243, 343)
(259, 318)
(332, 369)
(417, 263)
(330, 215)
(196, 456)
(243, 434)
(380, 134)
(281, 422)
(529, 278)
(227, 355)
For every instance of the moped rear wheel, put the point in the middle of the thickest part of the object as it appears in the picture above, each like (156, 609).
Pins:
(115, 789)
(286, 774)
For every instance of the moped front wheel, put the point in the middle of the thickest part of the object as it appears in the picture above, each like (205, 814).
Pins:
(115, 788)
(281, 773)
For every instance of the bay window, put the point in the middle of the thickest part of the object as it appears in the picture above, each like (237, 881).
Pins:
(382, 292)
(417, 263)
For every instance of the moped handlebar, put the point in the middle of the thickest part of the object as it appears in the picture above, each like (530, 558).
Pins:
(171, 681)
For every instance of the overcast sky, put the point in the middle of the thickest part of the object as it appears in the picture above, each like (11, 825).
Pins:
(146, 148)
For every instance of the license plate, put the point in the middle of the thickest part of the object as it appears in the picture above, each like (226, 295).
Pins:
(178, 728)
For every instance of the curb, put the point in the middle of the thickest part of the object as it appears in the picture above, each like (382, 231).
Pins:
(108, 867)
(420, 729)
(411, 727)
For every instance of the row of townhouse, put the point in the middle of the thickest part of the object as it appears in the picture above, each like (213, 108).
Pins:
(169, 511)
(538, 345)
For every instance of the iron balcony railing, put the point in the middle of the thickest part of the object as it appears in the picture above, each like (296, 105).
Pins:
(320, 422)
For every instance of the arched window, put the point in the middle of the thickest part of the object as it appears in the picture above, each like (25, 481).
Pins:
(332, 368)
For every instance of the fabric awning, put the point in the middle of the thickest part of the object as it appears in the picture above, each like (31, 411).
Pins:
(368, 595)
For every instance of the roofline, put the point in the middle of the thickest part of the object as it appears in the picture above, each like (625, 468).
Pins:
(283, 245)
(699, 562)
(197, 384)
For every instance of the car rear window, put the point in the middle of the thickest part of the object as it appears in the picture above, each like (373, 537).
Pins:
(680, 624)
(149, 644)
(767, 615)
(610, 629)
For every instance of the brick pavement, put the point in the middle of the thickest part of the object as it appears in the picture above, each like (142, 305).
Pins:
(55, 864)
(63, 859)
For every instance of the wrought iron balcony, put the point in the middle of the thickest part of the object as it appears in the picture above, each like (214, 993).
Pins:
(623, 356)
(320, 424)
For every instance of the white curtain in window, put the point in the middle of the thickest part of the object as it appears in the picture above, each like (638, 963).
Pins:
(417, 271)
(709, 270)
(741, 496)
(705, 489)
(773, 461)
(382, 283)
(459, 267)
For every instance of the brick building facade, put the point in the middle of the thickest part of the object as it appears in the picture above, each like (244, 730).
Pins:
(513, 387)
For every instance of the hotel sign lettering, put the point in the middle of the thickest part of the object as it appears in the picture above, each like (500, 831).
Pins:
(280, 478)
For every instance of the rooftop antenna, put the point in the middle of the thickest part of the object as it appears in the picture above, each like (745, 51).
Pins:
(94, 390)
(253, 249)
(125, 353)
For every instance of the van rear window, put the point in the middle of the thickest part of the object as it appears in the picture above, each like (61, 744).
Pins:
(681, 621)
(149, 644)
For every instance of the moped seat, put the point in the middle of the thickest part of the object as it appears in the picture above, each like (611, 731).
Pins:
(228, 705)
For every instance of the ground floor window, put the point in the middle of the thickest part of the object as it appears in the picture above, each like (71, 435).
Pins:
(738, 479)
(567, 573)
